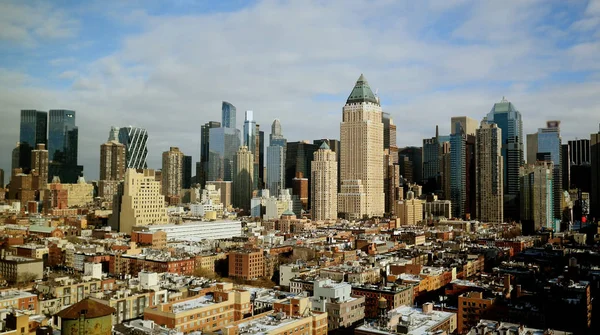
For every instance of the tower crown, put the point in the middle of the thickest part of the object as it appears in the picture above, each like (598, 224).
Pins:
(362, 92)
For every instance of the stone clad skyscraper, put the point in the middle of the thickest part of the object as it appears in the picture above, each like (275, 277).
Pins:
(324, 184)
(489, 174)
(172, 175)
(361, 141)
(242, 179)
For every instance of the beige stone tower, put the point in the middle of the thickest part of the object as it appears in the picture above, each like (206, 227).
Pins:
(489, 173)
(112, 161)
(172, 174)
(243, 181)
(324, 198)
(361, 158)
(142, 203)
(39, 163)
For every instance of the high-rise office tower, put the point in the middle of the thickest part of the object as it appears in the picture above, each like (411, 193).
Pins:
(113, 134)
(135, 140)
(112, 161)
(63, 138)
(141, 201)
(39, 163)
(414, 155)
(186, 174)
(172, 174)
(361, 139)
(301, 191)
(536, 187)
(430, 161)
(324, 184)
(565, 167)
(276, 160)
(250, 140)
(445, 172)
(298, 156)
(595, 167)
(392, 182)
(508, 118)
(15, 156)
(2, 178)
(223, 145)
(489, 174)
(228, 115)
(242, 180)
(389, 131)
(467, 124)
(202, 173)
(458, 176)
(33, 131)
(261, 158)
(548, 149)
(580, 169)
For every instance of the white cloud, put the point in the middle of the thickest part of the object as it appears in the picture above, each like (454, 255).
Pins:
(28, 23)
(275, 57)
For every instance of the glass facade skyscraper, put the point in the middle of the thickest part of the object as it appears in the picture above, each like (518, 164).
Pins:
(228, 115)
(549, 145)
(33, 130)
(458, 177)
(250, 140)
(63, 138)
(508, 118)
(135, 140)
(202, 173)
(276, 153)
(223, 146)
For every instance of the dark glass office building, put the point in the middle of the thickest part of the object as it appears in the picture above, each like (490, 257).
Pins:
(63, 138)
(33, 130)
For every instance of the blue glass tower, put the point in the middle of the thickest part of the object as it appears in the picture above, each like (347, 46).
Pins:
(508, 118)
(228, 115)
(458, 177)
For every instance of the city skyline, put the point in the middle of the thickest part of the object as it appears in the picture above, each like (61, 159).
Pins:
(121, 84)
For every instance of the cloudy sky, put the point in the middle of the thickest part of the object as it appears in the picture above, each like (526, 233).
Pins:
(167, 65)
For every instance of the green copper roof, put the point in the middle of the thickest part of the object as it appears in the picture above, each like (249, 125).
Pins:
(288, 212)
(362, 92)
(324, 146)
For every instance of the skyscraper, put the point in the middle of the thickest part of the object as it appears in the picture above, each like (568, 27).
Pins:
(298, 156)
(276, 161)
(63, 137)
(536, 186)
(595, 166)
(489, 174)
(508, 118)
(250, 140)
(202, 173)
(223, 145)
(242, 181)
(135, 140)
(261, 158)
(112, 161)
(39, 163)
(324, 184)
(228, 115)
(172, 174)
(33, 131)
(334, 145)
(414, 155)
(186, 174)
(548, 149)
(580, 169)
(430, 161)
(361, 140)
(458, 176)
(467, 124)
